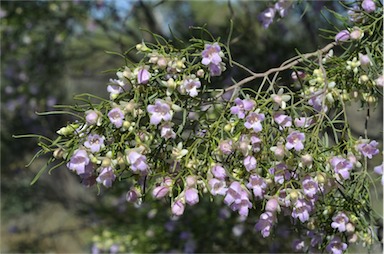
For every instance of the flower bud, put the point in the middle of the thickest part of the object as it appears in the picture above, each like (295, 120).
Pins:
(191, 181)
(191, 196)
(342, 36)
(272, 206)
(126, 124)
(200, 73)
(106, 163)
(58, 153)
(321, 178)
(178, 208)
(306, 159)
(352, 238)
(143, 76)
(160, 192)
(228, 127)
(293, 195)
(356, 34)
(132, 195)
(368, 6)
(350, 228)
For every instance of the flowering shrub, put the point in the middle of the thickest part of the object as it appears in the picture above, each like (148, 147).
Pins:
(275, 151)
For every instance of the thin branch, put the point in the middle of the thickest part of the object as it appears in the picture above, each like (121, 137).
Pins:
(286, 65)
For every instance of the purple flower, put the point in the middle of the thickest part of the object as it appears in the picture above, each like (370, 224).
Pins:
(340, 221)
(253, 121)
(368, 150)
(94, 142)
(255, 142)
(265, 223)
(272, 205)
(282, 120)
(298, 245)
(167, 131)
(115, 87)
(282, 6)
(295, 140)
(218, 172)
(160, 111)
(215, 70)
(191, 196)
(178, 208)
(280, 173)
(87, 177)
(368, 6)
(335, 246)
(78, 161)
(92, 117)
(266, 17)
(132, 195)
(138, 162)
(258, 185)
(303, 122)
(160, 191)
(190, 86)
(301, 210)
(342, 36)
(233, 193)
(242, 204)
(242, 106)
(116, 116)
(211, 54)
(341, 166)
(143, 76)
(316, 101)
(249, 163)
(225, 146)
(310, 186)
(279, 151)
(106, 177)
(217, 187)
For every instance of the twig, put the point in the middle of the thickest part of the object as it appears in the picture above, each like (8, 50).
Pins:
(286, 65)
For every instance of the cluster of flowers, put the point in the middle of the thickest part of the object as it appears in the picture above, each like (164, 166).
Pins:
(163, 130)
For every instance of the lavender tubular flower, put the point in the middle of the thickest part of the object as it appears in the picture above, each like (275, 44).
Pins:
(336, 246)
(161, 111)
(143, 76)
(211, 54)
(138, 162)
(368, 150)
(342, 36)
(340, 221)
(253, 121)
(265, 223)
(106, 177)
(94, 142)
(217, 187)
(258, 185)
(249, 163)
(78, 161)
(191, 196)
(368, 6)
(116, 116)
(295, 140)
(341, 166)
(242, 106)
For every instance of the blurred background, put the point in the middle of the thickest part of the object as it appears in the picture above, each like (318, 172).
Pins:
(51, 50)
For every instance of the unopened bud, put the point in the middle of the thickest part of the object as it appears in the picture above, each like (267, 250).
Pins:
(58, 153)
(106, 162)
